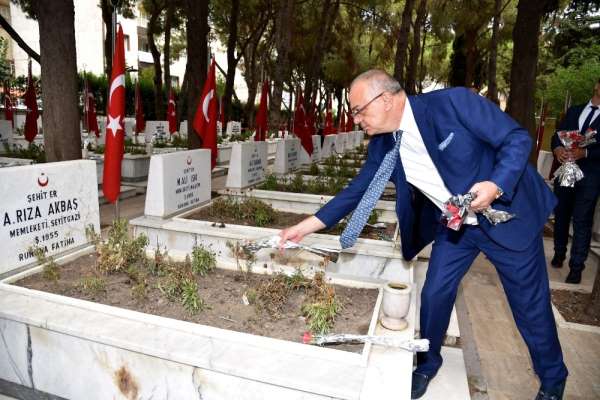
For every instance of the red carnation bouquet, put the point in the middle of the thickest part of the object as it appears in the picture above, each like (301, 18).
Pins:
(569, 172)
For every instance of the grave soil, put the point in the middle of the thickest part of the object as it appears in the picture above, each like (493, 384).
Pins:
(222, 291)
(571, 306)
(286, 219)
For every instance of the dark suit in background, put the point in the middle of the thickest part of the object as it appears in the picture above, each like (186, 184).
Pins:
(577, 203)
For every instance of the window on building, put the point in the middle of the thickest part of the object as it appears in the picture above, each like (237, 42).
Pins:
(126, 39)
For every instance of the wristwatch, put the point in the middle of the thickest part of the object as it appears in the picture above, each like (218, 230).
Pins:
(499, 192)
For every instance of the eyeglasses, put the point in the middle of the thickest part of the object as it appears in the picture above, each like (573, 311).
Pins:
(357, 111)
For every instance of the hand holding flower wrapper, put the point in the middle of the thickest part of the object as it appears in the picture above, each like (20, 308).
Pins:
(569, 172)
(456, 209)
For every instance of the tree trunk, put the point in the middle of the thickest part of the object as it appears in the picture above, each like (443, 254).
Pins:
(282, 69)
(167, 45)
(60, 117)
(232, 60)
(159, 105)
(402, 43)
(196, 69)
(492, 83)
(593, 307)
(107, 9)
(524, 61)
(421, 64)
(329, 14)
(471, 54)
(252, 78)
(415, 50)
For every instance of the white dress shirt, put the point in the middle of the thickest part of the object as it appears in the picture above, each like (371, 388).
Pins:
(586, 111)
(418, 166)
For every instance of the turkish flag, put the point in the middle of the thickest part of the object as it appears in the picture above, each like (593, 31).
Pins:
(113, 153)
(140, 124)
(31, 128)
(8, 105)
(262, 123)
(172, 113)
(329, 128)
(349, 122)
(90, 111)
(205, 120)
(300, 127)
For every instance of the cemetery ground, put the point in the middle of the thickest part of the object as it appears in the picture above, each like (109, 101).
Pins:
(496, 358)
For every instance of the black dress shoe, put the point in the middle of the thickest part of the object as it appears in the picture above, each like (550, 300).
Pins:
(419, 385)
(555, 393)
(557, 261)
(574, 277)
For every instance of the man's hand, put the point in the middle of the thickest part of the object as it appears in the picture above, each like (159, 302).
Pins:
(297, 232)
(487, 192)
(577, 154)
(562, 154)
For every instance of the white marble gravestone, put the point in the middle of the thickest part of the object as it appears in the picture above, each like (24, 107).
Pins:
(316, 154)
(46, 205)
(340, 143)
(358, 139)
(234, 128)
(129, 127)
(328, 147)
(178, 181)
(6, 131)
(287, 156)
(156, 128)
(248, 164)
(219, 128)
(183, 128)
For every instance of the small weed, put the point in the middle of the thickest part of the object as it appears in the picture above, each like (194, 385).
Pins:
(50, 269)
(270, 183)
(203, 260)
(190, 299)
(313, 170)
(92, 285)
(322, 306)
(297, 281)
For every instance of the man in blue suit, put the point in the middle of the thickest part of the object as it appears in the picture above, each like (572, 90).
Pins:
(578, 202)
(452, 142)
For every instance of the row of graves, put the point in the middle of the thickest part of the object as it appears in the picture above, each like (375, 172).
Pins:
(199, 301)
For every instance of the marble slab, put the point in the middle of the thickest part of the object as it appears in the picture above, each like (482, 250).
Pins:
(134, 167)
(341, 143)
(48, 205)
(156, 129)
(234, 128)
(248, 164)
(329, 146)
(177, 182)
(287, 155)
(183, 128)
(6, 131)
(305, 158)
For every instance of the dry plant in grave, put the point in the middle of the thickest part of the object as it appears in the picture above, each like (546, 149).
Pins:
(50, 269)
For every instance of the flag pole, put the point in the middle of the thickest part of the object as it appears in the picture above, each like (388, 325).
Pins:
(115, 4)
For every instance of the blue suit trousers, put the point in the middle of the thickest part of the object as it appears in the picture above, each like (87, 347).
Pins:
(524, 278)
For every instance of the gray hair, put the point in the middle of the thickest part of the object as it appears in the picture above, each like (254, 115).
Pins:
(378, 81)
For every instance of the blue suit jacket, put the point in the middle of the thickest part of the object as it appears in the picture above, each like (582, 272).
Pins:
(486, 144)
(591, 163)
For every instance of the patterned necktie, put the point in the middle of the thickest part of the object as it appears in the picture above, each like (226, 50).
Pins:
(372, 194)
(588, 120)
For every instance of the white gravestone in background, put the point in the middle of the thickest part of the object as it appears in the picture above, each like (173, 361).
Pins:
(316, 153)
(358, 138)
(177, 182)
(234, 128)
(287, 156)
(328, 147)
(340, 144)
(158, 128)
(46, 205)
(6, 131)
(183, 128)
(248, 164)
(129, 127)
(350, 138)
(219, 128)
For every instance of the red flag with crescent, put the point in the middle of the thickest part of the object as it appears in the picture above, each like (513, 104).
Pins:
(328, 129)
(90, 111)
(31, 128)
(262, 124)
(300, 127)
(113, 153)
(172, 113)
(205, 120)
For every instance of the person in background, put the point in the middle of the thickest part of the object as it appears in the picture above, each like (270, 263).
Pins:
(577, 203)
